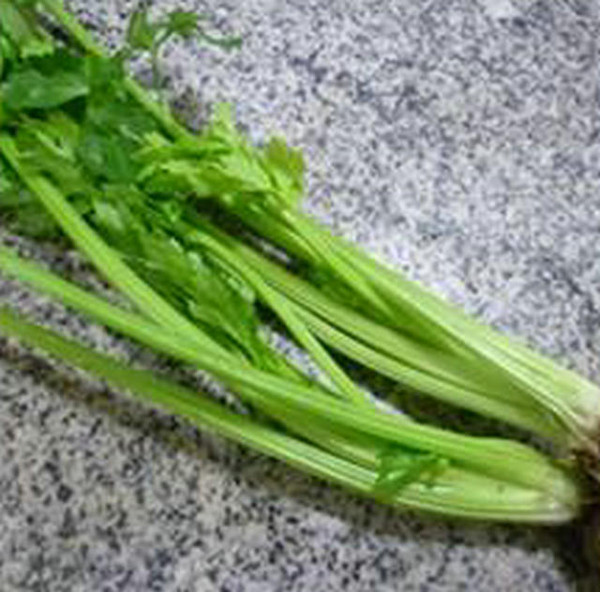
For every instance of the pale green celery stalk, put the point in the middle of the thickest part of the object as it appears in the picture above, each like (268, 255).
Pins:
(458, 382)
(504, 459)
(572, 400)
(463, 373)
(289, 317)
(348, 443)
(174, 398)
(525, 418)
(456, 492)
(319, 247)
(455, 381)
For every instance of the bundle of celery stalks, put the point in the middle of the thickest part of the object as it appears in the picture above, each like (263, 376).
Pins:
(202, 234)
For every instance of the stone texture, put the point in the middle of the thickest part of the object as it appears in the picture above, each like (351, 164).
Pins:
(458, 140)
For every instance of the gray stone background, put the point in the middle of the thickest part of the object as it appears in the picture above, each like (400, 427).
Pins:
(458, 140)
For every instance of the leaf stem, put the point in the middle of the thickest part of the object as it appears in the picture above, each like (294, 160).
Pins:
(458, 493)
(504, 459)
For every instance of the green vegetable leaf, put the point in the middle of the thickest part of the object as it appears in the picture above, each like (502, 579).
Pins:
(8, 53)
(174, 177)
(223, 163)
(157, 149)
(29, 221)
(58, 134)
(8, 183)
(286, 168)
(111, 135)
(197, 287)
(44, 83)
(141, 33)
(202, 291)
(19, 25)
(106, 158)
(105, 75)
(120, 116)
(399, 467)
(49, 146)
(20, 212)
(182, 23)
(30, 89)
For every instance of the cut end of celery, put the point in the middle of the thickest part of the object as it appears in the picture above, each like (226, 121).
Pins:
(587, 454)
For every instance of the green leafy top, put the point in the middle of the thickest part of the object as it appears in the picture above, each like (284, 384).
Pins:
(145, 35)
(75, 123)
(221, 162)
(59, 79)
(197, 286)
(20, 32)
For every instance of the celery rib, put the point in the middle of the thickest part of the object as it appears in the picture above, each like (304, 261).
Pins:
(459, 493)
(505, 458)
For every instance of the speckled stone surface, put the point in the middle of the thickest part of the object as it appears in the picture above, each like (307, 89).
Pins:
(458, 140)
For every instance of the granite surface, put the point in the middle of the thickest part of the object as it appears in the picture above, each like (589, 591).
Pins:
(458, 140)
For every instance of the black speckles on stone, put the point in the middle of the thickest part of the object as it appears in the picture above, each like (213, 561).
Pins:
(18, 408)
(64, 493)
(212, 574)
(68, 527)
(317, 73)
(52, 467)
(520, 24)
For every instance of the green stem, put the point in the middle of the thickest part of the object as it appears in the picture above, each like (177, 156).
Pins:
(458, 493)
(459, 382)
(289, 317)
(403, 349)
(505, 459)
(573, 400)
(524, 418)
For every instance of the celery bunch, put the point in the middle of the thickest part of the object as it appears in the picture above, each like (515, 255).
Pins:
(178, 223)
